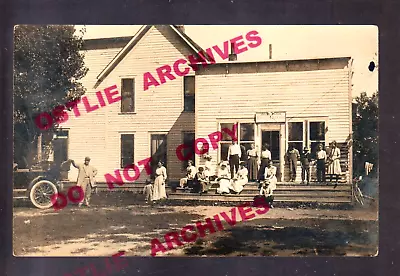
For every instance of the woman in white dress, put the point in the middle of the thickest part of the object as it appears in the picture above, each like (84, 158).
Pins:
(224, 179)
(334, 163)
(159, 183)
(209, 169)
(241, 179)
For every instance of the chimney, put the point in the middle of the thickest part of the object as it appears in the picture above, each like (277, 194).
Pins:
(232, 55)
(270, 51)
(180, 28)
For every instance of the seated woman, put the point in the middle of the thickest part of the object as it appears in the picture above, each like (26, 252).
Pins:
(224, 179)
(191, 171)
(201, 182)
(241, 179)
(209, 169)
(269, 183)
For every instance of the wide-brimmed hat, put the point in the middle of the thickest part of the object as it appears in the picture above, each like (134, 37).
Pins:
(224, 163)
(207, 156)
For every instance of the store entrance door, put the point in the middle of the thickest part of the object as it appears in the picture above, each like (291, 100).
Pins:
(272, 134)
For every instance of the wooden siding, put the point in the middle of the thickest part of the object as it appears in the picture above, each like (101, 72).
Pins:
(157, 110)
(238, 91)
(86, 133)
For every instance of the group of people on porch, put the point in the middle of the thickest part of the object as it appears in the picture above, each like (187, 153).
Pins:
(200, 180)
(326, 163)
(233, 174)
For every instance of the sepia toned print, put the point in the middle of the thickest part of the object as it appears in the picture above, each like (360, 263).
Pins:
(135, 138)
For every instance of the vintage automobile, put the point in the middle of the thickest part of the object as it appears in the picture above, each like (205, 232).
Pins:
(39, 183)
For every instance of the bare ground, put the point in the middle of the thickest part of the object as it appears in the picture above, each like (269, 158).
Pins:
(114, 223)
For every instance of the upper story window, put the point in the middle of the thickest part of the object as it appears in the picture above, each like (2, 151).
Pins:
(128, 95)
(189, 92)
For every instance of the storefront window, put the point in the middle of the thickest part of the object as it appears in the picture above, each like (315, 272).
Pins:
(224, 151)
(317, 135)
(225, 136)
(247, 132)
(245, 136)
(226, 140)
(296, 130)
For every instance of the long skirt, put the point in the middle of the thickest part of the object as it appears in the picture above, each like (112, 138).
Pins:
(264, 164)
(334, 167)
(159, 188)
(237, 185)
(224, 186)
(253, 168)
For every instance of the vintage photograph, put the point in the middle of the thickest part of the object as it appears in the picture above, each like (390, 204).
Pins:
(195, 140)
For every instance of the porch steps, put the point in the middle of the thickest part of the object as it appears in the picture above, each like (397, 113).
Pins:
(247, 198)
(284, 193)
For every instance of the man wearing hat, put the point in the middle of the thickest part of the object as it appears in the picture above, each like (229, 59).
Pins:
(86, 175)
(305, 159)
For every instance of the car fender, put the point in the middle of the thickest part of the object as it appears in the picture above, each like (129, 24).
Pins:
(39, 178)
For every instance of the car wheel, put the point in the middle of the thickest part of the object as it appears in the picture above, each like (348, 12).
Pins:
(41, 193)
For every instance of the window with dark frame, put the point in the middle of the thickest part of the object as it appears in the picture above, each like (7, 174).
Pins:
(127, 149)
(246, 137)
(295, 136)
(244, 134)
(127, 95)
(189, 92)
(317, 135)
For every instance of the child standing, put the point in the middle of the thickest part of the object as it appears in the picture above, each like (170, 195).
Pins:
(148, 191)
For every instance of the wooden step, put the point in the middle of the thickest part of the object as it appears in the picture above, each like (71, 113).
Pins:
(301, 193)
(243, 198)
(297, 194)
(19, 190)
(20, 197)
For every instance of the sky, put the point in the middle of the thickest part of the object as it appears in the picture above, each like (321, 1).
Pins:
(288, 42)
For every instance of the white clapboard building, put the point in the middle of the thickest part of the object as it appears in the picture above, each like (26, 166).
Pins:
(278, 102)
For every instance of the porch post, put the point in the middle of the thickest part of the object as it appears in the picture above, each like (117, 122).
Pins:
(39, 148)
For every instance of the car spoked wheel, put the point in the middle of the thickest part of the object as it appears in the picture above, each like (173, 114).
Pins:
(41, 193)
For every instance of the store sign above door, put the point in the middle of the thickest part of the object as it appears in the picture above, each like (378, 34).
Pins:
(271, 117)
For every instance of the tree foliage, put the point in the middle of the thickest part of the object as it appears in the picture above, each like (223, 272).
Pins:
(365, 131)
(48, 64)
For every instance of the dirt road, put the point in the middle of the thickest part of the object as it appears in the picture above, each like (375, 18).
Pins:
(107, 227)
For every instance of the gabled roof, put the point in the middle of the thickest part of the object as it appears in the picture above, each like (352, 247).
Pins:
(135, 39)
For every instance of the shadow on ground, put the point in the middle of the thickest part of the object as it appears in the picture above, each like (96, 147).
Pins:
(291, 238)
